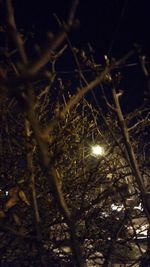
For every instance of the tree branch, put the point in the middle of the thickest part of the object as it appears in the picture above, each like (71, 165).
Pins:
(131, 154)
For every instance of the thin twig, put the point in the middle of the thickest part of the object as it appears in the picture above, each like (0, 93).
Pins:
(81, 92)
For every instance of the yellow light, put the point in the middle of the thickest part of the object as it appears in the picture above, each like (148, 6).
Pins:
(97, 150)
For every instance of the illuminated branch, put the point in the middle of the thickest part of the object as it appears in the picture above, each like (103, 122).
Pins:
(131, 154)
(80, 93)
(28, 98)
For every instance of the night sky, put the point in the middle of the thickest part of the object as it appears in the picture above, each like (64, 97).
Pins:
(110, 26)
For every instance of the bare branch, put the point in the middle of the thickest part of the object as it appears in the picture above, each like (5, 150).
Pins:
(80, 93)
(14, 33)
(72, 12)
(131, 154)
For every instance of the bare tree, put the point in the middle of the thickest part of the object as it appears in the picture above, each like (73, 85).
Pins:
(60, 203)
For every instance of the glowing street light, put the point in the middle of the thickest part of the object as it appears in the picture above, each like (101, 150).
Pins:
(97, 150)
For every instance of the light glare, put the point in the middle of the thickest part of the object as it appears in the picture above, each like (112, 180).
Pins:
(97, 150)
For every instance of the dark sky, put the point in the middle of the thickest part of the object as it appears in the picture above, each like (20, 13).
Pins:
(110, 25)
